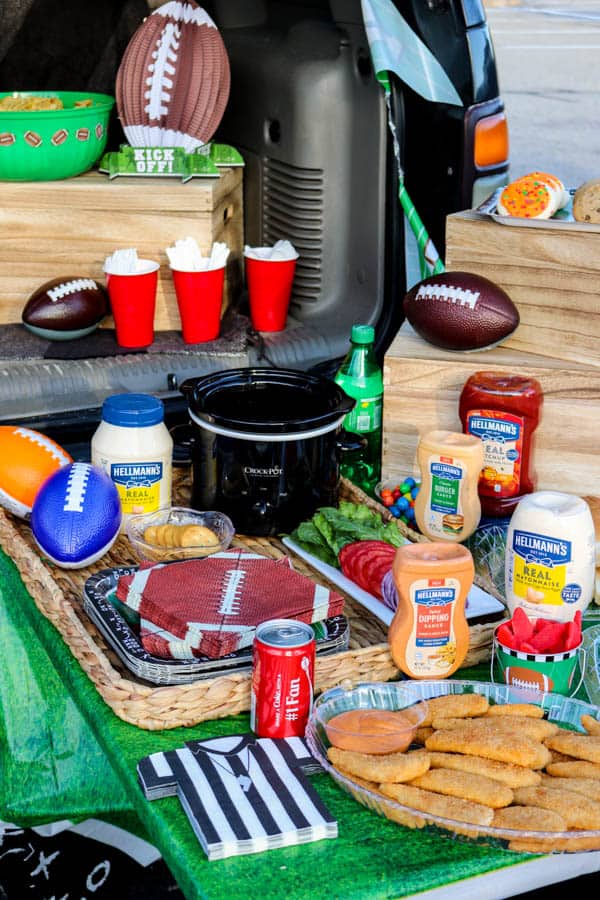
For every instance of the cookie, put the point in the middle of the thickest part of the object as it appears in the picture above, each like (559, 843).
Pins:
(528, 198)
(586, 202)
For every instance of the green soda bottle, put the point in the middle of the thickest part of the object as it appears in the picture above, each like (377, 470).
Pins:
(360, 377)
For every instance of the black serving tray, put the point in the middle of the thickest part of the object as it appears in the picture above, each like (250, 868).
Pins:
(120, 627)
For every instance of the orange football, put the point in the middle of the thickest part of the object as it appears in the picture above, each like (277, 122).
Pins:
(27, 459)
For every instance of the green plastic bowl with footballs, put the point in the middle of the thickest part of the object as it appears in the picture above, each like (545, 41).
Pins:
(50, 144)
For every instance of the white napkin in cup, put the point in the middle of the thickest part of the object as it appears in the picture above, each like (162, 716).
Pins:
(122, 262)
(281, 250)
(126, 262)
(186, 256)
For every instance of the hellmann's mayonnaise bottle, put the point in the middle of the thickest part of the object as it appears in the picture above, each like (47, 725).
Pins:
(134, 447)
(550, 556)
(447, 507)
(429, 634)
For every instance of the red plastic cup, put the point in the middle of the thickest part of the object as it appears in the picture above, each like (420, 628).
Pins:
(133, 301)
(269, 290)
(199, 298)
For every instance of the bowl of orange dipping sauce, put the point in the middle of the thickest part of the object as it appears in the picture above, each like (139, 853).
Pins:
(369, 718)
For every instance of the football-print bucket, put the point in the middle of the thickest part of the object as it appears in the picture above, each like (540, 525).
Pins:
(537, 672)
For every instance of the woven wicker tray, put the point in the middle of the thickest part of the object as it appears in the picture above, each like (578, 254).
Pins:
(58, 594)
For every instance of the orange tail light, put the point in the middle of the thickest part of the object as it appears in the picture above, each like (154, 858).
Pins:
(491, 141)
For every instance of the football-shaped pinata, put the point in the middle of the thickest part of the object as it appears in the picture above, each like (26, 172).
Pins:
(173, 82)
(66, 308)
(76, 516)
(27, 459)
(460, 311)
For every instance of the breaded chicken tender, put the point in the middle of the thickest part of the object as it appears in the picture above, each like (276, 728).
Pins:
(591, 725)
(507, 773)
(465, 785)
(391, 767)
(581, 746)
(538, 729)
(455, 706)
(438, 804)
(529, 710)
(579, 812)
(529, 818)
(574, 768)
(511, 748)
(589, 787)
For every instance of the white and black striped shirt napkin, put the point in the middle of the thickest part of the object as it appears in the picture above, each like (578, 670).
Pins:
(242, 794)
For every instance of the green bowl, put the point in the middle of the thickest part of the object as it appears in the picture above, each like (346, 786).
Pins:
(45, 145)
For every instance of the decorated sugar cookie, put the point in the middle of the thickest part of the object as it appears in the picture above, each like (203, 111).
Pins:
(528, 198)
(555, 183)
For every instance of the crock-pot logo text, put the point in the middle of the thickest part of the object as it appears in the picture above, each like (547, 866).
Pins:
(131, 475)
(263, 471)
(538, 548)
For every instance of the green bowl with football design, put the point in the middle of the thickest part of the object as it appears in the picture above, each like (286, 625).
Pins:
(49, 144)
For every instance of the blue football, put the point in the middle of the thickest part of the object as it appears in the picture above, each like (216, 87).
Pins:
(76, 515)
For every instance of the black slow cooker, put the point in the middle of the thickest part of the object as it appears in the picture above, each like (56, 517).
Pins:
(266, 445)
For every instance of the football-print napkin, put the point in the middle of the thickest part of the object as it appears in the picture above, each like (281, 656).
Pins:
(242, 794)
(214, 604)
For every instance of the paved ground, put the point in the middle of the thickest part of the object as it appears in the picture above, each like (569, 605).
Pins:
(548, 57)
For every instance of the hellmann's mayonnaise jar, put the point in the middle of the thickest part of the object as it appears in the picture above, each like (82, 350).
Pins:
(550, 556)
(134, 447)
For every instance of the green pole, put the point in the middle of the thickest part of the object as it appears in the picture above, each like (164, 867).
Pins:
(429, 258)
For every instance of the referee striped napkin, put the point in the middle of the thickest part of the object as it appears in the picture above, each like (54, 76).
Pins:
(213, 605)
(242, 794)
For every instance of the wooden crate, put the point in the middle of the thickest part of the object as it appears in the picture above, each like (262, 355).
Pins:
(422, 387)
(551, 273)
(53, 228)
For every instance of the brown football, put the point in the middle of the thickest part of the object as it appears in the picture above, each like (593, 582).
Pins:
(64, 308)
(460, 311)
(173, 82)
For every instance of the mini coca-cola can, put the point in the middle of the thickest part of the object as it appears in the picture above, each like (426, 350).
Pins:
(282, 678)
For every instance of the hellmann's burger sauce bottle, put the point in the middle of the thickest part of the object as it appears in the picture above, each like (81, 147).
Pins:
(504, 411)
(429, 634)
(447, 507)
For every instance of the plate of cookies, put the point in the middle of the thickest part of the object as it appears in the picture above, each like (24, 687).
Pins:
(541, 200)
(482, 760)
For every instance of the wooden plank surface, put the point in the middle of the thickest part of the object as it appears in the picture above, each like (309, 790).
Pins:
(551, 274)
(422, 389)
(67, 228)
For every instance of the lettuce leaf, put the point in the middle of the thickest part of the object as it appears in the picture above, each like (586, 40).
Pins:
(332, 528)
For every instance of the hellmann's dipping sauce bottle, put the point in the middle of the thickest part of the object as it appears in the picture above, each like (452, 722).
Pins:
(429, 634)
(504, 411)
(447, 507)
(550, 556)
